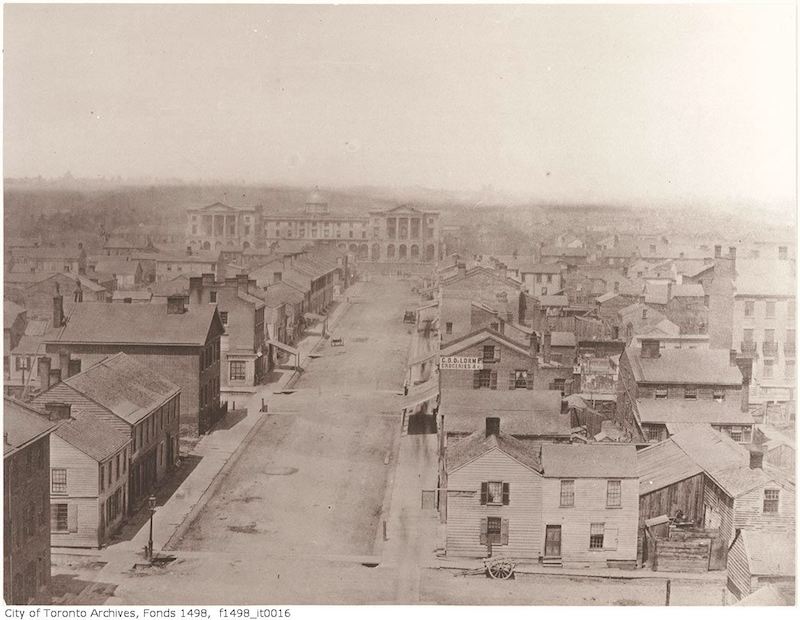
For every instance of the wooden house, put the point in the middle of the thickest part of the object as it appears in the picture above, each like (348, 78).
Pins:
(493, 496)
(136, 401)
(89, 459)
(590, 504)
(758, 559)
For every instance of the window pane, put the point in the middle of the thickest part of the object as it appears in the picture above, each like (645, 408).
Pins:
(614, 493)
(771, 498)
(567, 492)
(596, 535)
(493, 530)
(495, 492)
(59, 480)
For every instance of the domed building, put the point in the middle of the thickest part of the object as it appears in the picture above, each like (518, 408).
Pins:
(317, 204)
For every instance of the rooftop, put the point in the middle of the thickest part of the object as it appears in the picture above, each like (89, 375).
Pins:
(768, 554)
(589, 460)
(93, 436)
(764, 278)
(477, 444)
(562, 339)
(124, 386)
(687, 366)
(21, 425)
(662, 465)
(139, 324)
(473, 338)
(10, 313)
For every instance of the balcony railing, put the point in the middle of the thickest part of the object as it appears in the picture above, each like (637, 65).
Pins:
(770, 349)
(748, 348)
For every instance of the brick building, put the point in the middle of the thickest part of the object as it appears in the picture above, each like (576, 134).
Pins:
(658, 387)
(26, 504)
(181, 343)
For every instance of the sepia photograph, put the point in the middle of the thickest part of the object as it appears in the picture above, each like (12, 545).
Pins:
(398, 304)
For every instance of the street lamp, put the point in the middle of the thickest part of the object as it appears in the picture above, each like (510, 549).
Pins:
(151, 501)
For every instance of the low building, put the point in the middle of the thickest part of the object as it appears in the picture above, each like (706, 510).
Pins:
(89, 459)
(26, 504)
(35, 293)
(777, 447)
(48, 259)
(193, 264)
(540, 279)
(758, 559)
(127, 273)
(590, 505)
(131, 398)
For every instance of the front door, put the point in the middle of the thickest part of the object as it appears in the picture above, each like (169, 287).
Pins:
(552, 541)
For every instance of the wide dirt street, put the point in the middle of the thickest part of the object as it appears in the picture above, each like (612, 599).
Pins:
(301, 508)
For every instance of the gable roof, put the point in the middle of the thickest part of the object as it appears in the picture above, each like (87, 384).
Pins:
(10, 313)
(522, 413)
(768, 554)
(553, 300)
(690, 366)
(562, 339)
(93, 436)
(477, 444)
(688, 290)
(662, 465)
(589, 460)
(484, 333)
(124, 386)
(22, 426)
(138, 324)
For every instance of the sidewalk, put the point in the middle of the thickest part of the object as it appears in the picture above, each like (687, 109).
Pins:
(533, 568)
(218, 451)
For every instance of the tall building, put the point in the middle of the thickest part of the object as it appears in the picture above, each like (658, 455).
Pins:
(405, 234)
(764, 327)
(219, 225)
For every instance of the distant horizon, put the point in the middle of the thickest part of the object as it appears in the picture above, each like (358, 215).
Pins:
(629, 104)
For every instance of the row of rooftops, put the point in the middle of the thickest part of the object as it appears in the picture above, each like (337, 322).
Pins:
(127, 390)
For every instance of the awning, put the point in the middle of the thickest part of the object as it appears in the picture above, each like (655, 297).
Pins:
(420, 394)
(314, 317)
(283, 347)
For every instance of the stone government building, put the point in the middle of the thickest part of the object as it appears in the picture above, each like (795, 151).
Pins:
(403, 235)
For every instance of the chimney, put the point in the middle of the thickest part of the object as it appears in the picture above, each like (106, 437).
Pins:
(195, 284)
(732, 357)
(546, 347)
(462, 269)
(644, 313)
(43, 368)
(128, 300)
(745, 365)
(492, 427)
(74, 367)
(669, 290)
(176, 304)
(756, 457)
(242, 282)
(717, 251)
(58, 310)
(651, 348)
(78, 295)
(533, 345)
(63, 364)
(616, 286)
(58, 411)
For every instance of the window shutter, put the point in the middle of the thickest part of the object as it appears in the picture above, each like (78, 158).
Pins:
(530, 380)
(484, 493)
(506, 493)
(493, 380)
(610, 538)
(512, 379)
(72, 518)
(53, 518)
(484, 530)
(497, 354)
(504, 532)
(476, 379)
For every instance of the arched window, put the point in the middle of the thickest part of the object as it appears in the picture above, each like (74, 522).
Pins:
(402, 252)
(363, 252)
(207, 245)
(390, 251)
(430, 252)
(414, 252)
(376, 252)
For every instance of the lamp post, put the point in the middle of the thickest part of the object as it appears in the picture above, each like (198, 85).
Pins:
(151, 501)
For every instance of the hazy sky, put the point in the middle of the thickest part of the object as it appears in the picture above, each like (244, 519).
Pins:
(567, 102)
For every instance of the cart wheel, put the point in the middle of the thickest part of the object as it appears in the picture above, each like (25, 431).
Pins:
(501, 570)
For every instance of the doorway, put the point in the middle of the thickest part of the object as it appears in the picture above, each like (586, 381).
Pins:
(552, 541)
